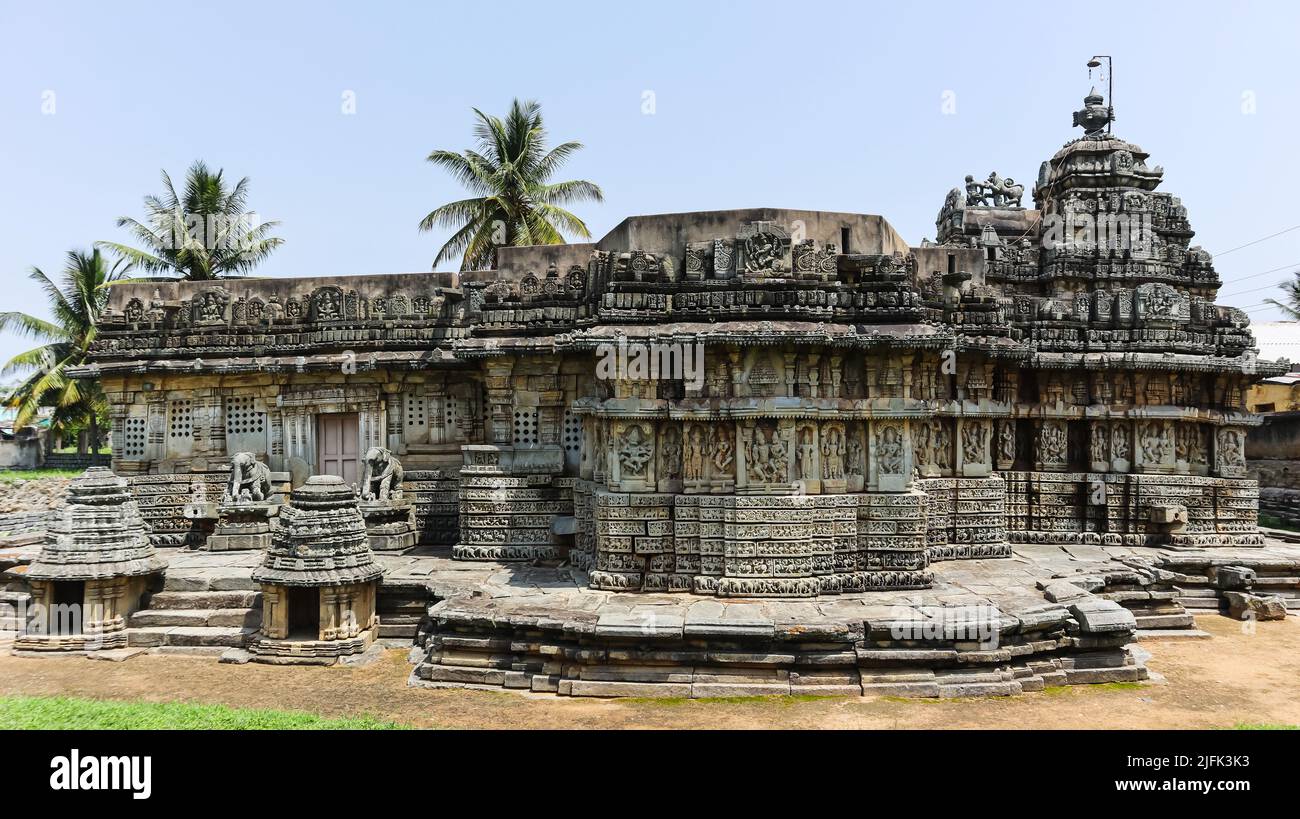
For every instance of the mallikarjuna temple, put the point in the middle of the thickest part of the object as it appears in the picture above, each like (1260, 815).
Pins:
(751, 451)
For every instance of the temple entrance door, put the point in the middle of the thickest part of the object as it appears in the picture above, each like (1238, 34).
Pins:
(337, 445)
(304, 613)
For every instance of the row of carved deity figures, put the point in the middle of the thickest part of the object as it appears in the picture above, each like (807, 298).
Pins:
(723, 455)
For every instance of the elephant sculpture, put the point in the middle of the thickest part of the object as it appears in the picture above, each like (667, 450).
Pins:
(250, 479)
(382, 479)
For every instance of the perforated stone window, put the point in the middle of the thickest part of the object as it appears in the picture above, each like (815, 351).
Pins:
(572, 431)
(133, 438)
(180, 420)
(525, 426)
(241, 418)
(415, 410)
(450, 413)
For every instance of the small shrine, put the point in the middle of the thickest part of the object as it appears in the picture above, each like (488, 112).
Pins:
(318, 580)
(92, 571)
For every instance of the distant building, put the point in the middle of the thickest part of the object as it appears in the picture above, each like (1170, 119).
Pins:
(1277, 340)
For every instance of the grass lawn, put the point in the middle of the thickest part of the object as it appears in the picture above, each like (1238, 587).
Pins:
(65, 713)
(11, 475)
(1270, 522)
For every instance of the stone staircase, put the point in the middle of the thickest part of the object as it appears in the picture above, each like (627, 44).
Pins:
(203, 623)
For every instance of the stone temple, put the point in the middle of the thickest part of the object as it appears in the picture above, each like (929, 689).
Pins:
(737, 406)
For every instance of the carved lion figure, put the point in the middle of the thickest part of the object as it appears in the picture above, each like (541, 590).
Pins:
(250, 479)
(383, 475)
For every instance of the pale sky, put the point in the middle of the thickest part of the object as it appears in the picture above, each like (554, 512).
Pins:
(818, 105)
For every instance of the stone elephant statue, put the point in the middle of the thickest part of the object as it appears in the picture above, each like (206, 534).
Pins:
(250, 479)
(382, 479)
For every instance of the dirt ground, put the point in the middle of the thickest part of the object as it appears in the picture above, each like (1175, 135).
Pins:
(1232, 679)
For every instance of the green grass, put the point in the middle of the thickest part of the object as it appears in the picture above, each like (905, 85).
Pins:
(1264, 726)
(1270, 522)
(65, 713)
(11, 475)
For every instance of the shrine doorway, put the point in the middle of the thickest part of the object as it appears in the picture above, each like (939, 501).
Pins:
(338, 445)
(304, 613)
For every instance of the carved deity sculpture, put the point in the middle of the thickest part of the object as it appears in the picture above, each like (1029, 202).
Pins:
(779, 465)
(1053, 442)
(723, 451)
(855, 456)
(807, 456)
(250, 480)
(923, 446)
(211, 308)
(972, 442)
(382, 477)
(889, 450)
(756, 456)
(672, 453)
(1007, 441)
(1119, 443)
(833, 455)
(1097, 444)
(634, 452)
(1231, 453)
(694, 454)
(942, 446)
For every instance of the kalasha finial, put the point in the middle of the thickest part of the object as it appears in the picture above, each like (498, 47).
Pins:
(1095, 116)
(1094, 101)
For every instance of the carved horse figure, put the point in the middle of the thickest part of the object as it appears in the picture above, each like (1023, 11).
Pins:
(250, 479)
(383, 475)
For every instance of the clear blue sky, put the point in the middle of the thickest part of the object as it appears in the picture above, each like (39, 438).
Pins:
(830, 106)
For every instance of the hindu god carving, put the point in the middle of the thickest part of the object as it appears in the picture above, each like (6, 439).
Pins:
(889, 450)
(634, 452)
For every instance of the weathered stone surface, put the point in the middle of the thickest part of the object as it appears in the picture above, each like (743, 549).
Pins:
(1243, 606)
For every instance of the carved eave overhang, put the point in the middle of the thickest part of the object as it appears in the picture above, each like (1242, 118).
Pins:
(333, 362)
(1247, 365)
(115, 345)
(739, 333)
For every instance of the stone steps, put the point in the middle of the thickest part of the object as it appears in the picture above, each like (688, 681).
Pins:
(221, 618)
(1164, 621)
(205, 637)
(237, 599)
(216, 579)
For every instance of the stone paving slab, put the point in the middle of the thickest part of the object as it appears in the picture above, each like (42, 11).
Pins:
(1012, 586)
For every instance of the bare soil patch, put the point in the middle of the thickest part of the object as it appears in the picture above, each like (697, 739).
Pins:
(1232, 679)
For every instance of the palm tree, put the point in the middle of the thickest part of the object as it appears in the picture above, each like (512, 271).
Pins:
(1291, 307)
(203, 233)
(514, 201)
(76, 306)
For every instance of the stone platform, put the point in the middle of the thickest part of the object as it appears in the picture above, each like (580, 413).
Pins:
(1052, 615)
(1049, 615)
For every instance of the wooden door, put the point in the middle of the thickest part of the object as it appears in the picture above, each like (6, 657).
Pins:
(337, 445)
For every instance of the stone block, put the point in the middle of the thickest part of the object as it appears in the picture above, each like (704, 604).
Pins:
(1244, 606)
(1097, 616)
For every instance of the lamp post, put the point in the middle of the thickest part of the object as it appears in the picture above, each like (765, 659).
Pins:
(1095, 62)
